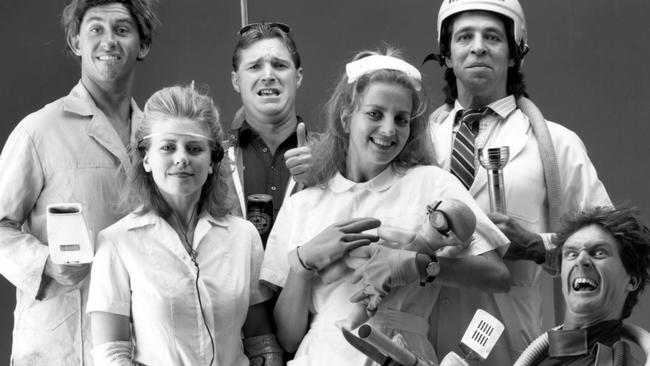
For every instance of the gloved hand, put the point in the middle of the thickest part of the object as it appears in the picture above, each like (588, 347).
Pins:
(263, 350)
(386, 268)
(332, 243)
(524, 244)
(364, 309)
(426, 240)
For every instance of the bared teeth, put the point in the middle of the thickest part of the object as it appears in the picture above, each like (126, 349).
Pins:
(267, 92)
(381, 142)
(582, 283)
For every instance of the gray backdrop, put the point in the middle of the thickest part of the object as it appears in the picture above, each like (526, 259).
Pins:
(587, 70)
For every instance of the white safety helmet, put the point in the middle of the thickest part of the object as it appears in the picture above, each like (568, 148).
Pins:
(508, 8)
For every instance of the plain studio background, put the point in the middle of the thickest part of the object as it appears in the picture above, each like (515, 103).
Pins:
(587, 70)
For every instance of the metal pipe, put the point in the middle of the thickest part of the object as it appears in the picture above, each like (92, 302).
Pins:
(243, 5)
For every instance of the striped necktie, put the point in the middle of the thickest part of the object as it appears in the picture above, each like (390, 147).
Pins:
(462, 156)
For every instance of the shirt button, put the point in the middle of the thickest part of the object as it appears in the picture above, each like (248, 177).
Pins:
(265, 149)
(273, 188)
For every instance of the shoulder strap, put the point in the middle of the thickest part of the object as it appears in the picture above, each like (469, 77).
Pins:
(549, 159)
(552, 180)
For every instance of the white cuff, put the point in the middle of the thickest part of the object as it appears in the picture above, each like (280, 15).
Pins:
(117, 353)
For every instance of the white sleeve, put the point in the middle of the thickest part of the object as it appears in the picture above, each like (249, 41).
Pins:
(580, 185)
(22, 255)
(110, 289)
(275, 267)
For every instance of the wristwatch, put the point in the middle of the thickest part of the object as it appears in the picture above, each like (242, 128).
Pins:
(432, 270)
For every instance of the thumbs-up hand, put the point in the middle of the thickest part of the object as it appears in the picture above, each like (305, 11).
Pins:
(299, 160)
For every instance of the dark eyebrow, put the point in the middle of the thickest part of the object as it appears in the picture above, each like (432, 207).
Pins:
(96, 18)
(280, 59)
(251, 62)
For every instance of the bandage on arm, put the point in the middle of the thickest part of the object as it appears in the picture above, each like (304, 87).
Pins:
(116, 353)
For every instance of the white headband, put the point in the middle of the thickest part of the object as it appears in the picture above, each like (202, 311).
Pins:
(355, 69)
(178, 133)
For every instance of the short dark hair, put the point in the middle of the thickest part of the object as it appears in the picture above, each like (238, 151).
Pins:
(141, 11)
(515, 80)
(632, 235)
(260, 31)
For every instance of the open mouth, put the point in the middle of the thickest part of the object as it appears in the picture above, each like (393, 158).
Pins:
(108, 58)
(584, 284)
(382, 142)
(268, 92)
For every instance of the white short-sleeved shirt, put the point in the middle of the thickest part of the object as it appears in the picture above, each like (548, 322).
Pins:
(397, 200)
(142, 270)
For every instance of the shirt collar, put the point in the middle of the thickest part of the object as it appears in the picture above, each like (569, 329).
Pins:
(80, 102)
(576, 342)
(381, 182)
(244, 134)
(503, 107)
(148, 218)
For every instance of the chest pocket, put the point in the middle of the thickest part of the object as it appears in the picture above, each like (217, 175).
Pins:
(50, 313)
(525, 188)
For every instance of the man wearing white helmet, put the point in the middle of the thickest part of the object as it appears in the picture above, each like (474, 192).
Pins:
(482, 43)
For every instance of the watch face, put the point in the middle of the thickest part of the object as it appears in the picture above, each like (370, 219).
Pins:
(433, 268)
(439, 222)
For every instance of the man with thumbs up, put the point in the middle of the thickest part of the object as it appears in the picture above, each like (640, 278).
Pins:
(266, 132)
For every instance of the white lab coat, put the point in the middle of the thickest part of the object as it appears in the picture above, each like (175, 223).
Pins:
(65, 152)
(580, 188)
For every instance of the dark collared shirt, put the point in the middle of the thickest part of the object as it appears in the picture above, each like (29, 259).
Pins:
(265, 172)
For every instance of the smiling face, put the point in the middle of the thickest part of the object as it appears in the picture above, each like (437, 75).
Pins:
(108, 44)
(267, 80)
(378, 129)
(594, 282)
(479, 55)
(178, 158)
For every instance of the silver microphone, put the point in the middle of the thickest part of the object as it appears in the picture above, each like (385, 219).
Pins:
(494, 160)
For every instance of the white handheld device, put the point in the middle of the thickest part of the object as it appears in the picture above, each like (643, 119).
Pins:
(68, 236)
(482, 333)
(480, 337)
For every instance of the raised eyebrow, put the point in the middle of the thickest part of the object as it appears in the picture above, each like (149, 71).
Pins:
(97, 18)
(125, 21)
(465, 29)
